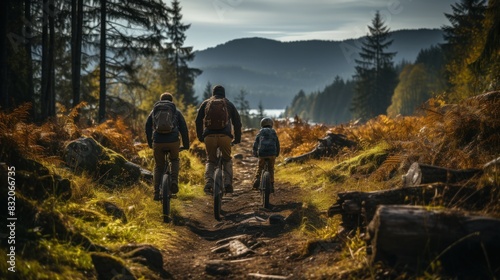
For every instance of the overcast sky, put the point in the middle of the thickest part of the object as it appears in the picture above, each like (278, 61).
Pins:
(215, 22)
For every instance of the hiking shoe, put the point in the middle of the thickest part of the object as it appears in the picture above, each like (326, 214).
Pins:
(174, 188)
(157, 196)
(208, 188)
(228, 188)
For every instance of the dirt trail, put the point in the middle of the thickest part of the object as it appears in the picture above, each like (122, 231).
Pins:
(272, 249)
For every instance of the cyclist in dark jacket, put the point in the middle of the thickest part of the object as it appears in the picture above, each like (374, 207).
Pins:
(167, 144)
(222, 138)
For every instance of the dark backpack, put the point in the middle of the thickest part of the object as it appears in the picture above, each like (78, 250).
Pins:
(216, 114)
(267, 142)
(164, 117)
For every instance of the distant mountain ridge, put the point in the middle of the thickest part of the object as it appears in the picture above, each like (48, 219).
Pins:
(273, 72)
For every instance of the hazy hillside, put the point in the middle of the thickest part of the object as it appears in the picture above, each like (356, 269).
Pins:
(274, 71)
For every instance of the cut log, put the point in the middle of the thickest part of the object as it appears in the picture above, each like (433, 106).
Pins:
(425, 174)
(414, 237)
(358, 208)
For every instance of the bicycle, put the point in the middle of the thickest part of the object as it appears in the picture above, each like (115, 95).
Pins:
(165, 190)
(218, 189)
(265, 184)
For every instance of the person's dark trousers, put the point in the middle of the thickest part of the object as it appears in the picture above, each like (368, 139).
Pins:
(161, 151)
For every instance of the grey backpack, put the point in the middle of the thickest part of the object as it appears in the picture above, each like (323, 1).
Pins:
(164, 117)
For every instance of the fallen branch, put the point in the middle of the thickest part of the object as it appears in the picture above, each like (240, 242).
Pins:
(267, 276)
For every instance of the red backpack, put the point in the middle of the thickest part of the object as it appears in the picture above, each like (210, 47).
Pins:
(216, 114)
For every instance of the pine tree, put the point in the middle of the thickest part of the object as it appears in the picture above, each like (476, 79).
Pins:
(243, 107)
(207, 93)
(76, 48)
(127, 30)
(487, 64)
(462, 39)
(375, 75)
(178, 56)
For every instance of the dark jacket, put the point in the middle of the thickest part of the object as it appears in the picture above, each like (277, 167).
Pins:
(234, 117)
(270, 134)
(180, 128)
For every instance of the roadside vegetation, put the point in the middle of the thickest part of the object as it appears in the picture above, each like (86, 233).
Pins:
(455, 136)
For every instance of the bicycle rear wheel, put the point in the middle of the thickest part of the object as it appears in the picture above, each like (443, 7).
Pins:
(217, 191)
(165, 187)
(265, 188)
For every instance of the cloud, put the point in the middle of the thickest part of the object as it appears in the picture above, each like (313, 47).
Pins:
(218, 21)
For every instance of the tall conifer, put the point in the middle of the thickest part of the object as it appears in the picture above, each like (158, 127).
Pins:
(375, 75)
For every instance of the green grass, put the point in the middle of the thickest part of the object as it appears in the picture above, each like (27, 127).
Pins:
(50, 259)
(330, 178)
(47, 258)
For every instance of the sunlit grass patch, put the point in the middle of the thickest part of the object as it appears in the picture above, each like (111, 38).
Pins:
(189, 192)
(350, 258)
(147, 158)
(143, 224)
(65, 254)
(49, 259)
(192, 170)
(309, 175)
(365, 162)
(82, 185)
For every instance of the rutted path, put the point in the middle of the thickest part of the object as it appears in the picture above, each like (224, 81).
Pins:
(244, 244)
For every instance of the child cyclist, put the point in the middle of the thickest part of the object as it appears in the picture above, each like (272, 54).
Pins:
(266, 146)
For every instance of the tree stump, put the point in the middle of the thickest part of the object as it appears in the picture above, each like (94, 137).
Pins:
(414, 237)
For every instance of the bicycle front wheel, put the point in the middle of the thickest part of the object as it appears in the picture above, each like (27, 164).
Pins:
(265, 188)
(165, 187)
(217, 191)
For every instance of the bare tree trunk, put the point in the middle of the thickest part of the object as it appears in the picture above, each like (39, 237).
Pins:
(4, 92)
(29, 60)
(52, 67)
(76, 47)
(45, 82)
(102, 78)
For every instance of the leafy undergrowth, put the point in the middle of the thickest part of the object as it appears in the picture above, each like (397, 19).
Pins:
(457, 136)
(53, 249)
